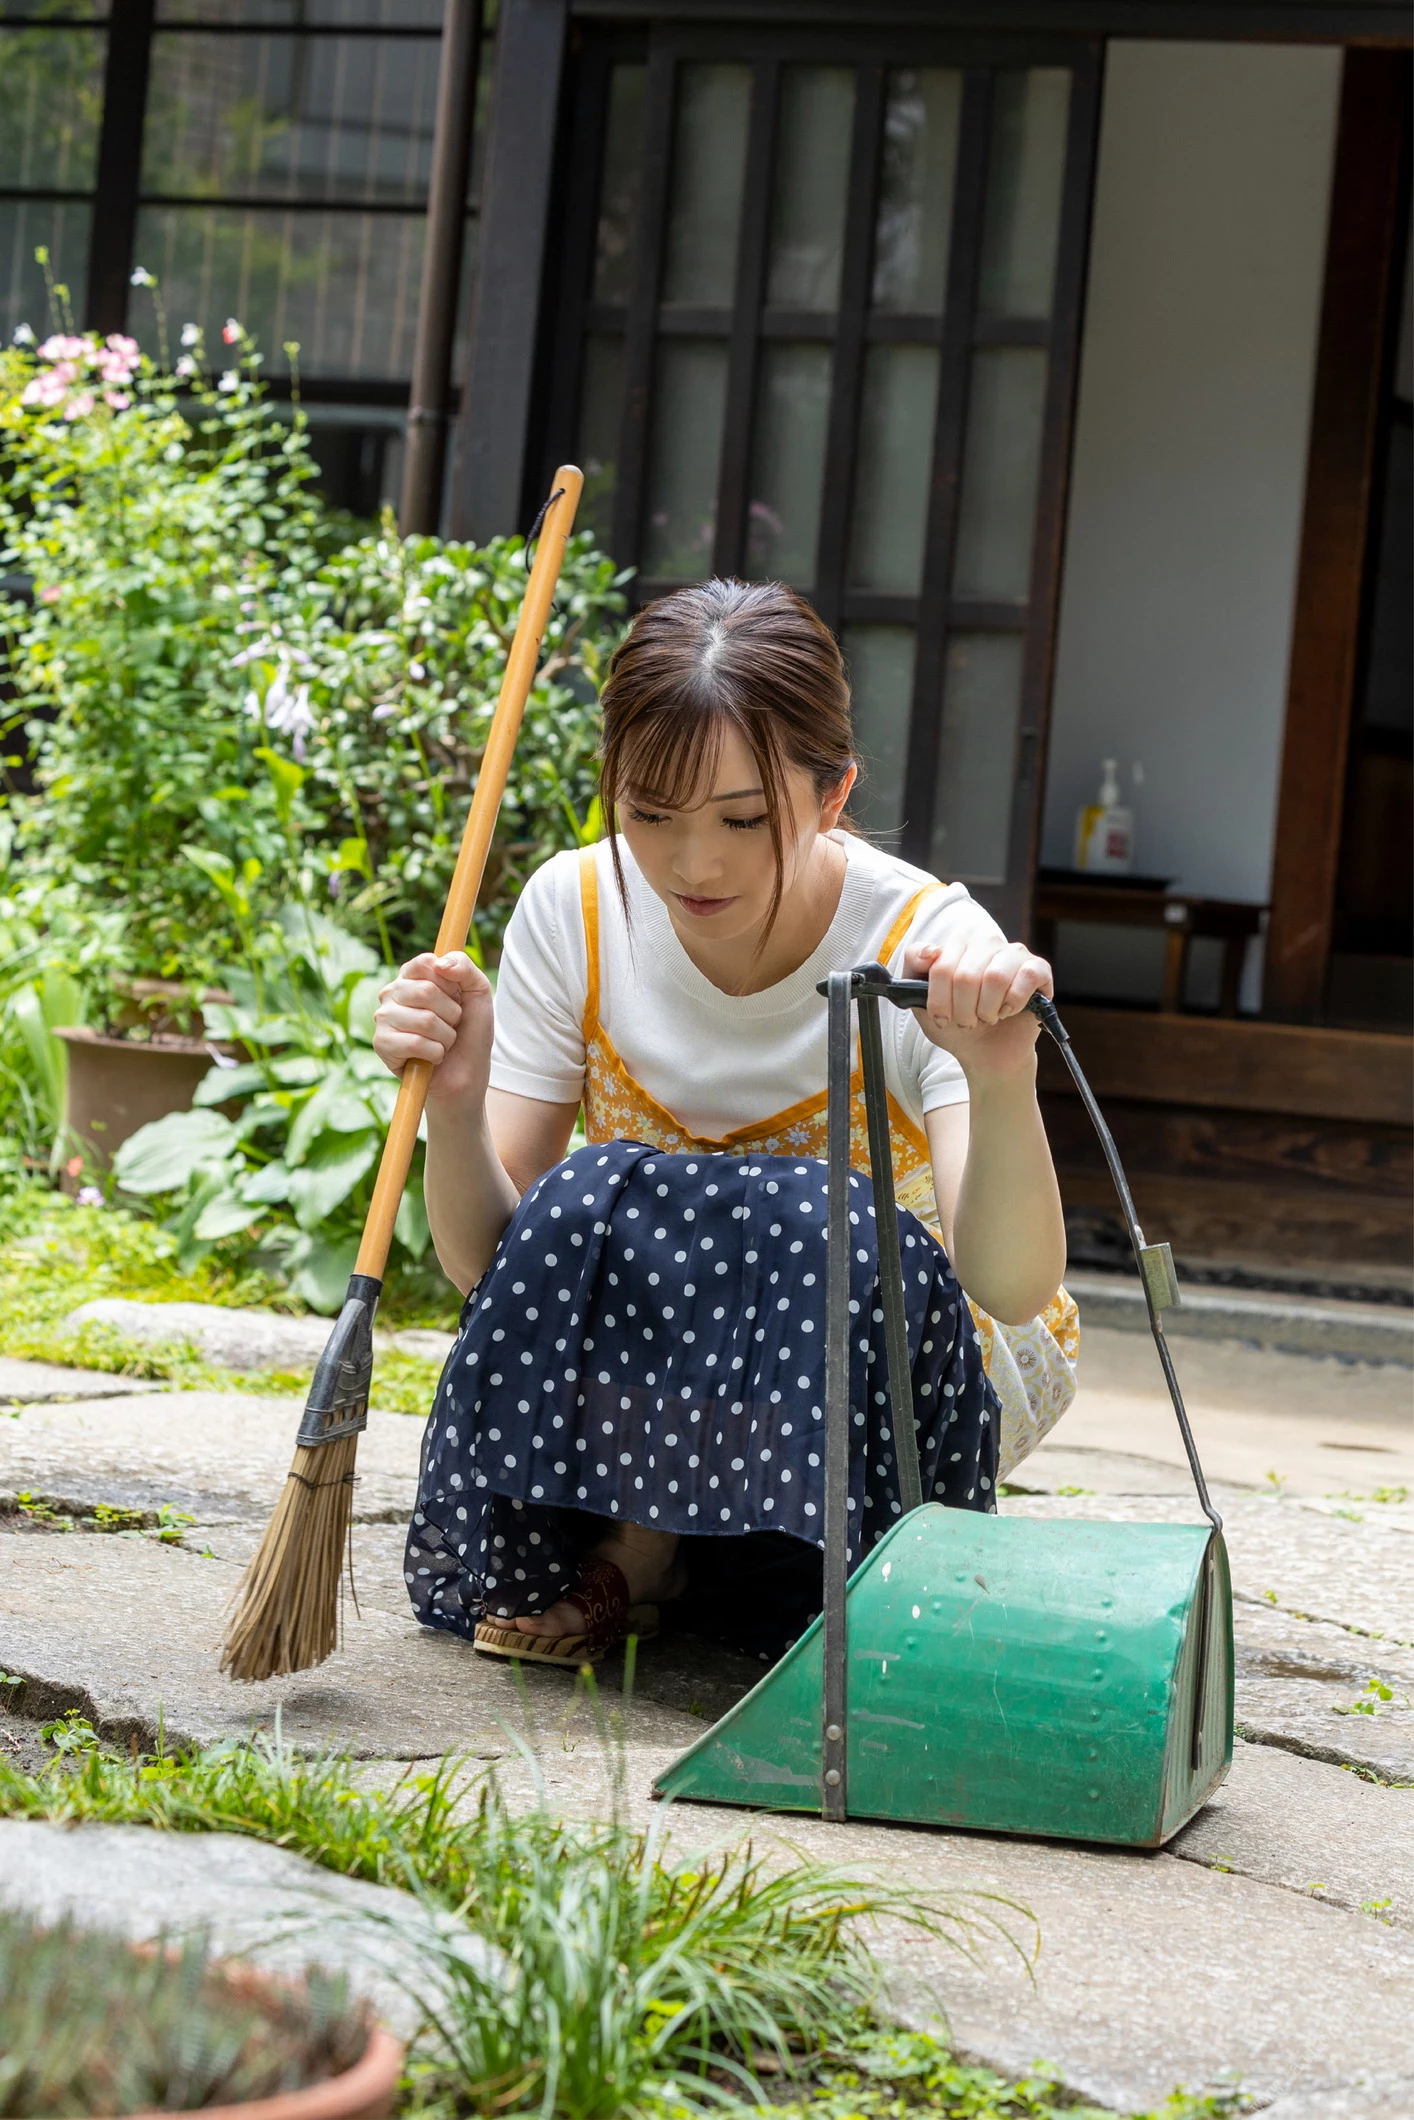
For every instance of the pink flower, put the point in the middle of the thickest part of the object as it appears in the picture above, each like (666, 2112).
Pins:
(117, 399)
(127, 348)
(64, 348)
(79, 406)
(90, 1196)
(231, 331)
(50, 594)
(114, 368)
(64, 372)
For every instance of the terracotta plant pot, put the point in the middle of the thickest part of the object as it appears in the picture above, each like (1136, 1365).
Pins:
(363, 2092)
(117, 1085)
(117, 1082)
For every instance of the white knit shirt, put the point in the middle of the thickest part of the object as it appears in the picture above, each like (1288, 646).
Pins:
(715, 1061)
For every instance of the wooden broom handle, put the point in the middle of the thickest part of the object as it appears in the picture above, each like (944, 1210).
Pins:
(521, 665)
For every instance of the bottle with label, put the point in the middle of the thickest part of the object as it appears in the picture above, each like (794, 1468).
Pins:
(1104, 830)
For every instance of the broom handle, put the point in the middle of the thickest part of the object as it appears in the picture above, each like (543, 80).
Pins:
(521, 665)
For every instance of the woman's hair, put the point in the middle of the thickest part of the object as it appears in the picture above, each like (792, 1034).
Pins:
(749, 656)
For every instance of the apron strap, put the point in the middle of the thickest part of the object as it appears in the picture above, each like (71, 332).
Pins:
(589, 912)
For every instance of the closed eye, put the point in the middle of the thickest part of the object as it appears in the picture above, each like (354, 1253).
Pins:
(744, 824)
(647, 816)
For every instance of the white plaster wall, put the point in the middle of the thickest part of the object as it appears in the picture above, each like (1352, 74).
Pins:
(1195, 390)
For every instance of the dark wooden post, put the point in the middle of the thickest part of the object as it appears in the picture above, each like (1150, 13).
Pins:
(115, 189)
(421, 508)
(488, 488)
(1330, 583)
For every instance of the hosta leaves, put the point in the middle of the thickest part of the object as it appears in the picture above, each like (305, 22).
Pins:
(320, 1268)
(164, 1155)
(224, 1084)
(325, 1181)
(224, 1215)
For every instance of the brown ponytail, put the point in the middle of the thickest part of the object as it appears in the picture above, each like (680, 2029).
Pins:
(749, 656)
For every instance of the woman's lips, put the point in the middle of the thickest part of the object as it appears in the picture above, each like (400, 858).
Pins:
(701, 908)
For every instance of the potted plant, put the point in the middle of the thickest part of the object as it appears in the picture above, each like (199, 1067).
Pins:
(90, 2023)
(145, 1063)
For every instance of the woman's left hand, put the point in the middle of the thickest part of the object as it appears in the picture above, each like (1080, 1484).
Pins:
(978, 988)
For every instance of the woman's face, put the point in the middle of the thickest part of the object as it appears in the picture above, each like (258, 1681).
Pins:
(713, 865)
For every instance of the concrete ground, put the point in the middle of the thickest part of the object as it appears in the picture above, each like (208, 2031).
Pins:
(1272, 1940)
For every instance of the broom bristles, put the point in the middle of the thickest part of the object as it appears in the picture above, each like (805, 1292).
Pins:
(287, 1608)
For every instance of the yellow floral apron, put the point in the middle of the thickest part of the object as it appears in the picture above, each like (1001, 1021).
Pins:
(1031, 1367)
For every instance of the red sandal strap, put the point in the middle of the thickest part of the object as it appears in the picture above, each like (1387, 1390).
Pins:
(602, 1596)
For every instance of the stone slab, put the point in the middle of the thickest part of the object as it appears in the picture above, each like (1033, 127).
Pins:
(129, 1632)
(214, 1454)
(255, 1901)
(239, 1339)
(38, 1383)
(1320, 1425)
(1312, 1828)
(1358, 1332)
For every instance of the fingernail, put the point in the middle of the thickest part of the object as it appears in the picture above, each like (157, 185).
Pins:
(446, 963)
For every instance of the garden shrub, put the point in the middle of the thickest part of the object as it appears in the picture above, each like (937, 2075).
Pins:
(198, 627)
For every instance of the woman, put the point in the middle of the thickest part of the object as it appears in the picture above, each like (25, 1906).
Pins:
(632, 1413)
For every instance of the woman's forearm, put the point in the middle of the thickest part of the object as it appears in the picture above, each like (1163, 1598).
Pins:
(470, 1197)
(1008, 1230)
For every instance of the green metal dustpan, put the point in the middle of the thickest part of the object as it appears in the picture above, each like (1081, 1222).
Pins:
(1066, 1679)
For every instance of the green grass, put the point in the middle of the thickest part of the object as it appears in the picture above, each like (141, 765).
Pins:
(55, 1255)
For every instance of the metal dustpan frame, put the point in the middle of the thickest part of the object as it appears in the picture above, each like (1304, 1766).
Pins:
(1211, 1723)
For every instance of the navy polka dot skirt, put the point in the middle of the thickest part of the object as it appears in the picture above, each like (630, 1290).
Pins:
(648, 1345)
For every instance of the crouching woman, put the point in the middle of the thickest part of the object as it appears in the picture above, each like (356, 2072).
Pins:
(633, 1411)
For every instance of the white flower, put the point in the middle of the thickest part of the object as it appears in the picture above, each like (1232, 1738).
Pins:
(90, 1196)
(191, 334)
(415, 669)
(23, 336)
(141, 277)
(185, 366)
(229, 381)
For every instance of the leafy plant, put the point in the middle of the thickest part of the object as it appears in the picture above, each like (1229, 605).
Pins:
(204, 662)
(90, 2025)
(312, 1104)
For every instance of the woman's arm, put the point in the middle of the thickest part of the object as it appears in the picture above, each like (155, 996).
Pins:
(999, 1205)
(484, 1146)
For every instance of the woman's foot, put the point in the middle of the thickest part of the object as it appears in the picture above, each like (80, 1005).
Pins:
(649, 1563)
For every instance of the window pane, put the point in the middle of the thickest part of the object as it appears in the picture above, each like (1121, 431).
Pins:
(618, 193)
(344, 285)
(788, 462)
(1001, 464)
(914, 232)
(880, 660)
(709, 172)
(893, 468)
(1025, 172)
(53, 107)
(337, 118)
(25, 225)
(981, 698)
(812, 178)
(600, 413)
(684, 457)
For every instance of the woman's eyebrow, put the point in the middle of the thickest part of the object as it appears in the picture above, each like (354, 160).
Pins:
(738, 795)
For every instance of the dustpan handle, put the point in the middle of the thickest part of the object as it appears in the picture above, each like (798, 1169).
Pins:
(913, 993)
(881, 1171)
(834, 1621)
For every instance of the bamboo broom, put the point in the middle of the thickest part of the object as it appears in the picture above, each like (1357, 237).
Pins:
(286, 1611)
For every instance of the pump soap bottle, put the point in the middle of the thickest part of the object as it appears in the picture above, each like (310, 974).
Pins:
(1104, 830)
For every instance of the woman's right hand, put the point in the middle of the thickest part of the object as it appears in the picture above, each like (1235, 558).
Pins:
(439, 1009)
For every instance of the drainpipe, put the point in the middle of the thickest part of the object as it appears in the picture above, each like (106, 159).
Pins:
(426, 450)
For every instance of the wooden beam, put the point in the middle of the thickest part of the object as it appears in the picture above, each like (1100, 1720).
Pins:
(1285, 21)
(1211, 1218)
(115, 186)
(1325, 639)
(1240, 1065)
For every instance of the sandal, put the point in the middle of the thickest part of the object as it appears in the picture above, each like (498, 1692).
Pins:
(602, 1596)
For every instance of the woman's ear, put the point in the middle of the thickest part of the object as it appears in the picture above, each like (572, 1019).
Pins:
(834, 799)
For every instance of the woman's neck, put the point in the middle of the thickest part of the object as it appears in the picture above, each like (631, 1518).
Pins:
(743, 965)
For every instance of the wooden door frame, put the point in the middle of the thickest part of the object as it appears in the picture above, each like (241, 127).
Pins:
(1352, 350)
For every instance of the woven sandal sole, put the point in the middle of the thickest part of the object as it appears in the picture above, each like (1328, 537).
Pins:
(568, 1651)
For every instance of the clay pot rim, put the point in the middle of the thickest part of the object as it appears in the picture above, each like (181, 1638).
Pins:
(367, 2087)
(162, 1042)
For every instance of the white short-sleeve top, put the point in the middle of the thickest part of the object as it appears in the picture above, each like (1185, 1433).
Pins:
(715, 1061)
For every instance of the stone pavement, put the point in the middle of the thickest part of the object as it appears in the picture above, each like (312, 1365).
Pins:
(1273, 1938)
